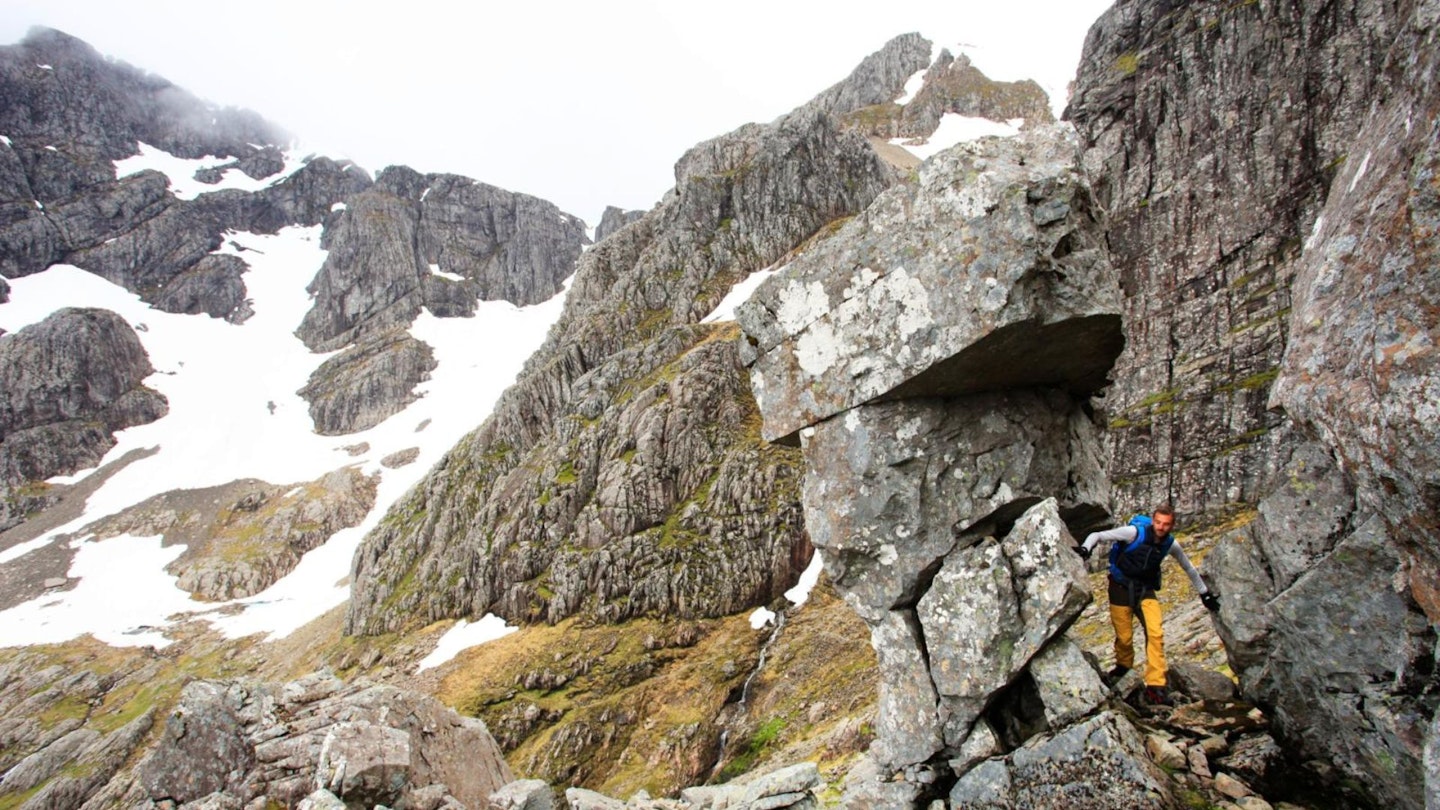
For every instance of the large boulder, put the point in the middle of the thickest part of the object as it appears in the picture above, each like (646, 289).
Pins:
(993, 606)
(985, 274)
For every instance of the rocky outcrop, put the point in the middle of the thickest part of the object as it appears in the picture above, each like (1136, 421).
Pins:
(367, 383)
(436, 241)
(60, 92)
(627, 449)
(242, 537)
(67, 384)
(613, 220)
(365, 743)
(1277, 259)
(67, 122)
(942, 513)
(654, 496)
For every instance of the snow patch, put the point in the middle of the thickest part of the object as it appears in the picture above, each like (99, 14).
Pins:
(463, 636)
(45, 67)
(123, 598)
(436, 271)
(739, 294)
(52, 149)
(954, 129)
(799, 594)
(339, 206)
(761, 617)
(181, 172)
(5, 140)
(1360, 172)
(913, 85)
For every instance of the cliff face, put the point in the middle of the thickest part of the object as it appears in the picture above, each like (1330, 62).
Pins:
(1268, 172)
(1213, 131)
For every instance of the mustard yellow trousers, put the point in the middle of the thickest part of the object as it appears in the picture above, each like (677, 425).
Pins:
(1123, 618)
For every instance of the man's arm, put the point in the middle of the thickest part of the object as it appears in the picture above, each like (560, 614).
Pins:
(1179, 555)
(1126, 534)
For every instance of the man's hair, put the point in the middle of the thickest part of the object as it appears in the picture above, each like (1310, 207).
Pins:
(1164, 509)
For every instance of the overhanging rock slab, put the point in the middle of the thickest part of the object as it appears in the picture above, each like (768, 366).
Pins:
(985, 273)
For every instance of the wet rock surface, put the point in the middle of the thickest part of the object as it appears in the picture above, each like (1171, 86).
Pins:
(1276, 356)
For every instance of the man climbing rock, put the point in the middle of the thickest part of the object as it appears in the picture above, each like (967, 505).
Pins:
(1136, 551)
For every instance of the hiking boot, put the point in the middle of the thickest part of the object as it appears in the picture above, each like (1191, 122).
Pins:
(1157, 696)
(1113, 676)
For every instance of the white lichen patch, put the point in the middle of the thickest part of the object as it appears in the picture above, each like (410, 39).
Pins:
(801, 304)
(860, 281)
(817, 349)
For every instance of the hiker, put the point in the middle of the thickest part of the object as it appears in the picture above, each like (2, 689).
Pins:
(1136, 551)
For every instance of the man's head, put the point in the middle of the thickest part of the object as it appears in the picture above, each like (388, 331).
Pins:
(1163, 519)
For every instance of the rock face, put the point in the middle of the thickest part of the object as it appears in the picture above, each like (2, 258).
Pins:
(438, 241)
(362, 742)
(952, 85)
(1212, 187)
(66, 123)
(66, 385)
(627, 450)
(942, 513)
(1272, 213)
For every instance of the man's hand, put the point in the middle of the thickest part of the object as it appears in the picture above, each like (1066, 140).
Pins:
(1083, 551)
(1210, 601)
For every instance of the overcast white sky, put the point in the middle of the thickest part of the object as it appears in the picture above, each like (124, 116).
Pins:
(583, 103)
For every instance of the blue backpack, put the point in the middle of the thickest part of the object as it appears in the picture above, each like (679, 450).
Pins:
(1139, 561)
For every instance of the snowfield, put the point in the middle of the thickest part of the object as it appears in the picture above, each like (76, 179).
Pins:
(234, 413)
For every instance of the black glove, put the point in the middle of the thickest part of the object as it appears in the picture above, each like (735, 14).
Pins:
(1210, 601)
(1083, 552)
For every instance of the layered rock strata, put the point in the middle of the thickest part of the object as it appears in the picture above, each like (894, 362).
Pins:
(918, 354)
